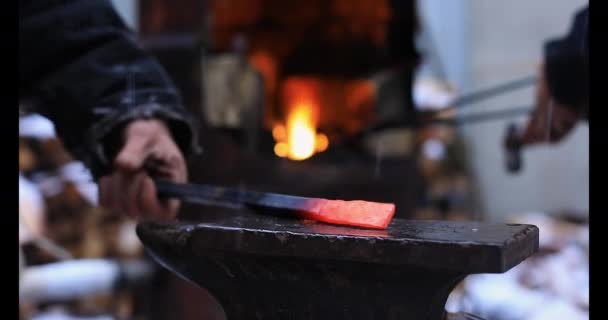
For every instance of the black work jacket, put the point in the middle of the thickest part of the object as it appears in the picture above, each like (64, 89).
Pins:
(567, 65)
(81, 67)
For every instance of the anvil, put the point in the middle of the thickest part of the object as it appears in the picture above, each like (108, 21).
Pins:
(268, 267)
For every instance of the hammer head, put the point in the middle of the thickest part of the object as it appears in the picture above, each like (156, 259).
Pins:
(513, 145)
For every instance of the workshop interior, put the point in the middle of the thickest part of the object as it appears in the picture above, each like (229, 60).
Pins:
(417, 104)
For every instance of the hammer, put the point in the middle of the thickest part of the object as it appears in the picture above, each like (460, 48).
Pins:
(513, 145)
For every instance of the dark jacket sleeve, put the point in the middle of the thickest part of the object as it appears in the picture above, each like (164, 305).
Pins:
(82, 68)
(567, 64)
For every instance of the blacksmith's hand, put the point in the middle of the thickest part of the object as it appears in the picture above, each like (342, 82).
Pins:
(130, 187)
(550, 121)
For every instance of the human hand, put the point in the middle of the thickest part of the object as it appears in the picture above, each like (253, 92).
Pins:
(550, 121)
(130, 187)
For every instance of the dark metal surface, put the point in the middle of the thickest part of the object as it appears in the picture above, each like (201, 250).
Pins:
(264, 267)
(458, 246)
(230, 197)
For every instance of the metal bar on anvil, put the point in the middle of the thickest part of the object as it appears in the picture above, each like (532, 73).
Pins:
(268, 267)
(208, 194)
(375, 215)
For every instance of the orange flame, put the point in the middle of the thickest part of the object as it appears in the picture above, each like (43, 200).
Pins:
(300, 133)
(299, 140)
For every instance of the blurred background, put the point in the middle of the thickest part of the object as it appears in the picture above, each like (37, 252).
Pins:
(483, 43)
(339, 96)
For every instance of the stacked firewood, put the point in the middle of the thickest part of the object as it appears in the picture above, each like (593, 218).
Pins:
(71, 224)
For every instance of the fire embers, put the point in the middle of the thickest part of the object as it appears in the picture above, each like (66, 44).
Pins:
(298, 139)
(309, 105)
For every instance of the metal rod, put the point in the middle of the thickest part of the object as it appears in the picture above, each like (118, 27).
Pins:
(468, 119)
(489, 116)
(471, 98)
